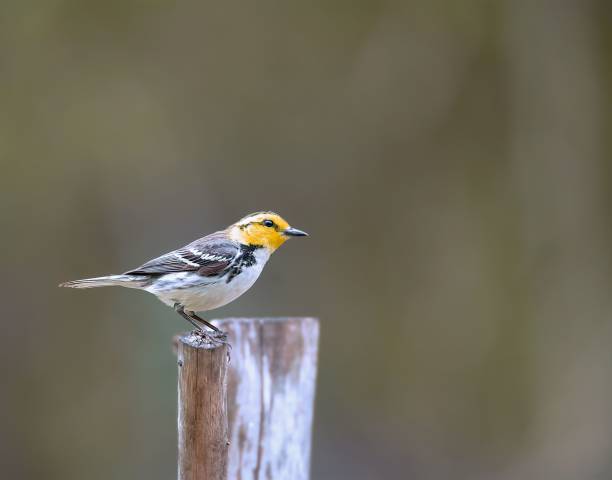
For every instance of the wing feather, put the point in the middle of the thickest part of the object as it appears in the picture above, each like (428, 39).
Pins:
(209, 256)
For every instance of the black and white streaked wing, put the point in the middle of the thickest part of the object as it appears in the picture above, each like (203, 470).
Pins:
(209, 256)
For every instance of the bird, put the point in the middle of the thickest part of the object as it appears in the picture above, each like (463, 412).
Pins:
(207, 273)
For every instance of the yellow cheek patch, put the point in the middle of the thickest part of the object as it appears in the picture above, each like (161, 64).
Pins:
(256, 234)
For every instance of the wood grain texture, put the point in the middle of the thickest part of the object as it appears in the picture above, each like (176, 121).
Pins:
(271, 388)
(202, 410)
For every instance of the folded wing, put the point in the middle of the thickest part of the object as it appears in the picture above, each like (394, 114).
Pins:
(209, 256)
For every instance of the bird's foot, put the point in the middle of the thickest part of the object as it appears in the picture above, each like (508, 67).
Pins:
(211, 337)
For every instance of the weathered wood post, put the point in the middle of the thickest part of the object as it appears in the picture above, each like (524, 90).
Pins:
(271, 389)
(265, 407)
(202, 409)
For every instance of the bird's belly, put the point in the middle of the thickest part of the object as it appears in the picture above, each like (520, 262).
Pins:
(199, 293)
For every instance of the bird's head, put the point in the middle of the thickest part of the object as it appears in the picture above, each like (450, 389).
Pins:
(264, 229)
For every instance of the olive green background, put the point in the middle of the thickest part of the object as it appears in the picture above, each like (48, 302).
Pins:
(451, 161)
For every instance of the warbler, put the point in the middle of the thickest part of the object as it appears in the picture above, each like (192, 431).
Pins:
(209, 272)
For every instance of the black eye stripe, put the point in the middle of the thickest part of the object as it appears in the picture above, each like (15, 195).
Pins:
(266, 223)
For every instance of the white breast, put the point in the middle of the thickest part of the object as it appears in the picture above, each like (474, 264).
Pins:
(199, 293)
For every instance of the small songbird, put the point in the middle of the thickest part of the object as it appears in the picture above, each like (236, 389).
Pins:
(209, 272)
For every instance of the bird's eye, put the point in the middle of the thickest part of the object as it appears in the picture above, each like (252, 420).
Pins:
(268, 223)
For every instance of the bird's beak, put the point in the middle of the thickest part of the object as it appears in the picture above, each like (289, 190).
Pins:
(294, 232)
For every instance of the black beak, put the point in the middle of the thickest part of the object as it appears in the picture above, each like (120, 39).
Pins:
(294, 232)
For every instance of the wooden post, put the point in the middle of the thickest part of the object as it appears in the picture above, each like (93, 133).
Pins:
(271, 389)
(202, 409)
(265, 407)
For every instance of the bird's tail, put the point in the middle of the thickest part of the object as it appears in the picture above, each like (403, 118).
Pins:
(130, 281)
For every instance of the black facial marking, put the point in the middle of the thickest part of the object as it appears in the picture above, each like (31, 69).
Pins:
(266, 223)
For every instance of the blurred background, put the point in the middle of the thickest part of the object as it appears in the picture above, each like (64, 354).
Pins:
(451, 161)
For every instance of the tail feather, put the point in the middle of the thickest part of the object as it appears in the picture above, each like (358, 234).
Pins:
(130, 281)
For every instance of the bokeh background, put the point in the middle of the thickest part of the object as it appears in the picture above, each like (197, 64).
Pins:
(451, 161)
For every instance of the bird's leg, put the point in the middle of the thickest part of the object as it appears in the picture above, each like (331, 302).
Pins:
(178, 308)
(220, 335)
(200, 319)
